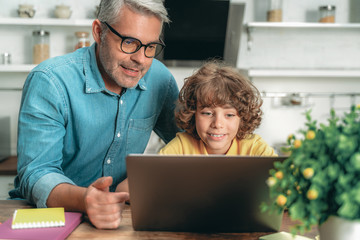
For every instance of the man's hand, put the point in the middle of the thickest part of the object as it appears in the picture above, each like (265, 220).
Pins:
(123, 186)
(104, 208)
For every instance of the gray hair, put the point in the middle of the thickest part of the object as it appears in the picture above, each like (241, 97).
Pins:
(110, 9)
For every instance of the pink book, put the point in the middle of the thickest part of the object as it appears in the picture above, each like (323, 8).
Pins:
(72, 220)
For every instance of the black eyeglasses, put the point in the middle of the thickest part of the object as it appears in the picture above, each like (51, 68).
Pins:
(131, 45)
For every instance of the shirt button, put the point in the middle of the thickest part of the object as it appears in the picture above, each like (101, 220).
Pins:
(108, 161)
(118, 135)
(121, 101)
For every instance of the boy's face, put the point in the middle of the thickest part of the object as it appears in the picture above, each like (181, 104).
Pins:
(217, 127)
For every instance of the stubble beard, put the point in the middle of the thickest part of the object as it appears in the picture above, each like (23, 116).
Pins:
(111, 69)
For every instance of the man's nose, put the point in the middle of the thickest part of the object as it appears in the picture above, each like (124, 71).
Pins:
(139, 56)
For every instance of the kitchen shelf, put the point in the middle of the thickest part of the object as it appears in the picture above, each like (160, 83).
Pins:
(300, 25)
(17, 68)
(47, 22)
(329, 73)
(251, 26)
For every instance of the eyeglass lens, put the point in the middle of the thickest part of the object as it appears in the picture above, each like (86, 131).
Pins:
(131, 45)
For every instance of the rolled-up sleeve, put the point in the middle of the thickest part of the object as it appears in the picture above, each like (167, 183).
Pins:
(42, 121)
(45, 185)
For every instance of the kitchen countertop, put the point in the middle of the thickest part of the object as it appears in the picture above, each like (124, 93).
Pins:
(8, 166)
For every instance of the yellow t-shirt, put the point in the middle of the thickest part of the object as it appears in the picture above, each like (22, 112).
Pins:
(184, 143)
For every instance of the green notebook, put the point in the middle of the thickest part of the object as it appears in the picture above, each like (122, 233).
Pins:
(38, 218)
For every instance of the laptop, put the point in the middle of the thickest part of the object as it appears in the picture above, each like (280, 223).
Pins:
(197, 193)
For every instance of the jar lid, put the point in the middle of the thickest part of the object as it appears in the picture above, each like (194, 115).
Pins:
(81, 34)
(41, 33)
(327, 7)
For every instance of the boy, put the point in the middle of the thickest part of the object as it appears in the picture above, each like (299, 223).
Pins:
(219, 109)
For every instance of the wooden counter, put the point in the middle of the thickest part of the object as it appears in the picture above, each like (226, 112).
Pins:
(8, 166)
(86, 231)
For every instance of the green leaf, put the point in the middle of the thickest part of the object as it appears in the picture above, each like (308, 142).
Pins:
(348, 210)
(297, 210)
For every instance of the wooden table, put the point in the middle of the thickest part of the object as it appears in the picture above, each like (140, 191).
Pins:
(86, 231)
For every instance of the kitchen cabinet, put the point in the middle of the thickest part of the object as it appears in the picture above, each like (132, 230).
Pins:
(7, 176)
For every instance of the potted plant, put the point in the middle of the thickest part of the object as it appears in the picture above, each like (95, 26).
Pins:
(321, 177)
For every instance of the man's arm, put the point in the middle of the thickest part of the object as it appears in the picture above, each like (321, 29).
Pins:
(104, 208)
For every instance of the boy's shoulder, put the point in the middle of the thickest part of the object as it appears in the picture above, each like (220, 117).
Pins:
(183, 143)
(185, 137)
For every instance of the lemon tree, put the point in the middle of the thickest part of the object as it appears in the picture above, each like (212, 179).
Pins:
(321, 177)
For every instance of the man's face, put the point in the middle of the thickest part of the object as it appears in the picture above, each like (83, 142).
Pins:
(118, 69)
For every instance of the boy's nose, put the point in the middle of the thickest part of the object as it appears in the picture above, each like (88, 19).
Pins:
(218, 122)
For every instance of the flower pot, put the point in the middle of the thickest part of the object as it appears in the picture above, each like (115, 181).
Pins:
(337, 228)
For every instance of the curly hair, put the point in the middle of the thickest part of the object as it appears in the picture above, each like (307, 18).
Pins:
(216, 84)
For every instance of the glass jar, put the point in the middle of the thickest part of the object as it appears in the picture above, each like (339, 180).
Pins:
(274, 14)
(41, 46)
(82, 40)
(6, 58)
(327, 14)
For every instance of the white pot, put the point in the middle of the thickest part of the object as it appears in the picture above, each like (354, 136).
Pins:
(62, 11)
(336, 228)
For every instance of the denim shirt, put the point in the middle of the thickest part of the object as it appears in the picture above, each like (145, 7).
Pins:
(73, 130)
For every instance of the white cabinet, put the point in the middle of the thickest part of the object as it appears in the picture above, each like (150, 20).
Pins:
(6, 184)
(7, 176)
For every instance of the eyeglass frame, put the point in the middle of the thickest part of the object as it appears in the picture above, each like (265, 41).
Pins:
(123, 38)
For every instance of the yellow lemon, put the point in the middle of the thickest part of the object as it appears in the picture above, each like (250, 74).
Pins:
(308, 173)
(297, 143)
(279, 175)
(358, 106)
(310, 135)
(281, 200)
(271, 181)
(312, 194)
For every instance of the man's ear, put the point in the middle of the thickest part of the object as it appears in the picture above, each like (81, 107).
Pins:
(96, 30)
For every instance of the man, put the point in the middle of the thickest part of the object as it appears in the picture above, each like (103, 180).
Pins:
(82, 113)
